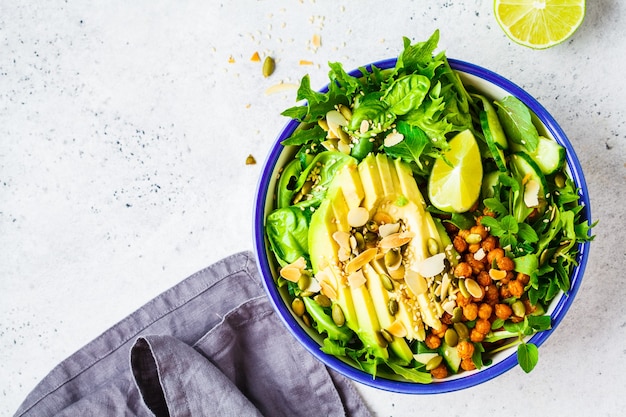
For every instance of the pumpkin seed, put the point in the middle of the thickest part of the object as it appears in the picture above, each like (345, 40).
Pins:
(397, 274)
(304, 281)
(323, 124)
(392, 306)
(473, 288)
(393, 260)
(370, 237)
(387, 282)
(451, 337)
(473, 238)
(345, 112)
(559, 180)
(372, 226)
(269, 65)
(337, 315)
(433, 363)
(360, 241)
(518, 308)
(463, 289)
(382, 342)
(297, 305)
(457, 315)
(461, 330)
(386, 335)
(307, 320)
(433, 246)
(322, 300)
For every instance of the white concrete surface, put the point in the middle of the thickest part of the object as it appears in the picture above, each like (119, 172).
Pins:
(124, 131)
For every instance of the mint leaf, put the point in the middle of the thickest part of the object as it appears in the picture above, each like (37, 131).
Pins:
(527, 356)
(496, 206)
(410, 149)
(527, 233)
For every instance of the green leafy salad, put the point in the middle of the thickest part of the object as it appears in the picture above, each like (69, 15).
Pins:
(420, 226)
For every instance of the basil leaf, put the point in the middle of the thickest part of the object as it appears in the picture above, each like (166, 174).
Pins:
(517, 122)
(410, 149)
(527, 356)
(288, 233)
(406, 93)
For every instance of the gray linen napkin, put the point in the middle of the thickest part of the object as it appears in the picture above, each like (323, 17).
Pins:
(210, 346)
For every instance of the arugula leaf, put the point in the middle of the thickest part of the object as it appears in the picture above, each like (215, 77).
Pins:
(414, 57)
(517, 122)
(304, 136)
(411, 374)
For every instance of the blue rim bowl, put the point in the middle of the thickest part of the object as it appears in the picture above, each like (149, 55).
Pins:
(494, 86)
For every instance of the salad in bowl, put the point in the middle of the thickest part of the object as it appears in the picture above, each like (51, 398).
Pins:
(421, 224)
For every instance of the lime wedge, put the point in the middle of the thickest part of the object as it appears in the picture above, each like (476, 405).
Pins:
(539, 24)
(455, 180)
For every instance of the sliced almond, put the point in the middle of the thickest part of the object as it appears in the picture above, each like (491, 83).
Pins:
(393, 139)
(480, 254)
(416, 283)
(356, 279)
(342, 239)
(531, 193)
(328, 290)
(291, 273)
(363, 258)
(358, 216)
(395, 240)
(432, 265)
(387, 229)
(397, 329)
(364, 126)
(344, 254)
(497, 274)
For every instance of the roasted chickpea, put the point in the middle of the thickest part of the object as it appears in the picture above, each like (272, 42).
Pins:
(470, 311)
(450, 228)
(461, 300)
(459, 244)
(503, 311)
(505, 263)
(523, 278)
(487, 212)
(516, 288)
(530, 309)
(467, 364)
(432, 341)
(483, 278)
(463, 269)
(473, 248)
(465, 349)
(484, 311)
(476, 336)
(477, 266)
(505, 292)
(495, 254)
(489, 243)
(463, 233)
(480, 230)
(492, 296)
(439, 372)
(483, 326)
(439, 333)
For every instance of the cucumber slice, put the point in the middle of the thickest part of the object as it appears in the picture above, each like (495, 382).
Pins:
(492, 142)
(490, 180)
(534, 185)
(549, 155)
(495, 127)
(451, 356)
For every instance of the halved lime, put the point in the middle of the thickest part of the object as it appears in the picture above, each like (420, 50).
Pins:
(539, 24)
(455, 180)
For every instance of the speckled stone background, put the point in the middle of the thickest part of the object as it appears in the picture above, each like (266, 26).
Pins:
(124, 132)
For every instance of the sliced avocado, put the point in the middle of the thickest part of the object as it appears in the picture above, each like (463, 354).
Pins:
(370, 180)
(380, 298)
(322, 247)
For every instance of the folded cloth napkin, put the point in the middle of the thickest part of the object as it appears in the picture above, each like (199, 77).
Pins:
(210, 346)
